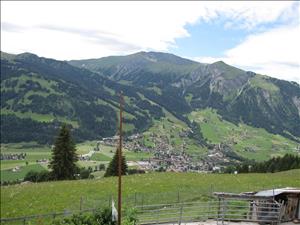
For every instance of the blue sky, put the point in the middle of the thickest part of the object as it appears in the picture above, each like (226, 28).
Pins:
(209, 39)
(212, 38)
(262, 36)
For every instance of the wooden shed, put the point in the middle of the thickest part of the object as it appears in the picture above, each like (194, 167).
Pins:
(290, 200)
(267, 206)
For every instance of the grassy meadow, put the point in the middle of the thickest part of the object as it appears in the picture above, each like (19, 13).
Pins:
(249, 142)
(151, 188)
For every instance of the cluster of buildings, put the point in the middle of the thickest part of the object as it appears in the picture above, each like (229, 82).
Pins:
(165, 157)
(10, 156)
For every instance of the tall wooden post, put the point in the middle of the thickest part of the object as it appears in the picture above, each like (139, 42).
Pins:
(120, 163)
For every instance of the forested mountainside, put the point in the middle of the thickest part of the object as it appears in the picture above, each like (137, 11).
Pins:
(238, 95)
(38, 94)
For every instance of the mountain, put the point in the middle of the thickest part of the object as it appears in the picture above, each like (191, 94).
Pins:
(238, 95)
(38, 94)
(141, 68)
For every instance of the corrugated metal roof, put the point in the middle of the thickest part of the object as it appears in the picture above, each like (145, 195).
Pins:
(278, 191)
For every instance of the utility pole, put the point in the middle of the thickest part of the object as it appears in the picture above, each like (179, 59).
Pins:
(120, 162)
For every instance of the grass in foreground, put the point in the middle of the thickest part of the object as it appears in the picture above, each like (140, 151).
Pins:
(152, 188)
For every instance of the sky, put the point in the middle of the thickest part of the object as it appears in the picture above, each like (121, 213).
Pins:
(252, 35)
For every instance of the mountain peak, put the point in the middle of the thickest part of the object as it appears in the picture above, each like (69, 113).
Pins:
(164, 57)
(28, 56)
(219, 63)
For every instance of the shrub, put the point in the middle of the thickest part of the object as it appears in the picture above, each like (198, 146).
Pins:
(76, 219)
(102, 217)
(43, 176)
(31, 176)
(35, 176)
(101, 167)
(84, 173)
(130, 217)
(135, 171)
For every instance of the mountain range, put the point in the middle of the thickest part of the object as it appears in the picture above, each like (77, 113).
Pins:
(38, 94)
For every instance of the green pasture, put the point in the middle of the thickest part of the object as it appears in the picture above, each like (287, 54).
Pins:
(249, 142)
(100, 157)
(36, 152)
(151, 188)
(9, 175)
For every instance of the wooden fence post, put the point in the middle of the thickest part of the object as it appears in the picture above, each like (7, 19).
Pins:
(80, 206)
(180, 214)
(142, 201)
(157, 216)
(209, 208)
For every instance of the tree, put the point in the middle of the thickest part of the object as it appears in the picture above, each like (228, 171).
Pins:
(112, 169)
(64, 156)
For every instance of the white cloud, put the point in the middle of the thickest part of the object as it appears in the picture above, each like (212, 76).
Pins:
(92, 29)
(68, 30)
(274, 53)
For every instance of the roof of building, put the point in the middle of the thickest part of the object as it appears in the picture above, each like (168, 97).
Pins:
(265, 194)
(278, 191)
(249, 196)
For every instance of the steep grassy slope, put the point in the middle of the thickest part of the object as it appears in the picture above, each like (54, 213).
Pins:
(238, 95)
(269, 103)
(140, 68)
(152, 187)
(247, 141)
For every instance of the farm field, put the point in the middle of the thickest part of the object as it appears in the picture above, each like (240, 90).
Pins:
(151, 188)
(36, 152)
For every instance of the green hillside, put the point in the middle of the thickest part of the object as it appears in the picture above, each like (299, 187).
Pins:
(38, 94)
(145, 62)
(247, 141)
(166, 101)
(154, 188)
(238, 95)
